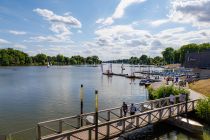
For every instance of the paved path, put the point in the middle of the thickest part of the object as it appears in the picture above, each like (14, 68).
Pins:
(193, 94)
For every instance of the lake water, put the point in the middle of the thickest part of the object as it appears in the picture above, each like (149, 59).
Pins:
(32, 94)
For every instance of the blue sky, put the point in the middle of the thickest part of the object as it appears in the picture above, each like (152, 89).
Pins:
(111, 29)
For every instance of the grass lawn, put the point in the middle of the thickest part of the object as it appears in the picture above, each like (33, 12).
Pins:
(202, 86)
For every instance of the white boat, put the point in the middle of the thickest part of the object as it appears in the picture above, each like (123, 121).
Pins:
(48, 64)
(91, 120)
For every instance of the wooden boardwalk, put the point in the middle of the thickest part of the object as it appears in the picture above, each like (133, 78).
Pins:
(112, 122)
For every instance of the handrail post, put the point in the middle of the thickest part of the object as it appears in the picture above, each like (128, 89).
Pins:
(152, 106)
(96, 115)
(123, 126)
(108, 127)
(137, 121)
(178, 110)
(170, 111)
(78, 121)
(107, 131)
(38, 132)
(60, 126)
(149, 118)
(108, 115)
(160, 115)
(186, 110)
(193, 105)
(89, 134)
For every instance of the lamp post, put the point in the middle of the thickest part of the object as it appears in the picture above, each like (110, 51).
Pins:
(81, 104)
(96, 115)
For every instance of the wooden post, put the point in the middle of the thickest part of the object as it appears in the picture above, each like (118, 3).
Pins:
(149, 118)
(123, 125)
(108, 127)
(89, 134)
(193, 105)
(152, 106)
(78, 121)
(39, 132)
(160, 115)
(137, 121)
(96, 115)
(107, 131)
(177, 109)
(81, 104)
(108, 115)
(186, 110)
(60, 126)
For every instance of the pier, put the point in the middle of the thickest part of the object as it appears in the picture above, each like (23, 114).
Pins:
(112, 122)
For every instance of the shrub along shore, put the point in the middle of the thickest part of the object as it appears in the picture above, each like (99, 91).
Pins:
(202, 109)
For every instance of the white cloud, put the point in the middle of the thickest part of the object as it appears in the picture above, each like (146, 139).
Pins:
(194, 12)
(52, 17)
(119, 11)
(17, 32)
(3, 41)
(159, 22)
(60, 25)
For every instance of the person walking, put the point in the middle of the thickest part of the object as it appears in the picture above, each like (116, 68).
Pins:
(132, 111)
(125, 108)
(172, 99)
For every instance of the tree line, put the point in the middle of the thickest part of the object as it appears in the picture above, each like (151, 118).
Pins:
(12, 57)
(169, 55)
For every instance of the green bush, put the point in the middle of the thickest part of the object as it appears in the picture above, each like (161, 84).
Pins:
(165, 91)
(203, 109)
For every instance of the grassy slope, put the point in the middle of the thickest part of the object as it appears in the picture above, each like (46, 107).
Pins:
(202, 86)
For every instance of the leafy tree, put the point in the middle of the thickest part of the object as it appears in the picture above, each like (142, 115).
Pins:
(168, 55)
(60, 59)
(157, 60)
(41, 59)
(143, 59)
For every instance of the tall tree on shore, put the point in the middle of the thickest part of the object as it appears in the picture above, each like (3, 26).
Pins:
(168, 55)
(143, 59)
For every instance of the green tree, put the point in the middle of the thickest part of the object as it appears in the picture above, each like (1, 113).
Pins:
(158, 60)
(41, 59)
(60, 59)
(168, 55)
(143, 59)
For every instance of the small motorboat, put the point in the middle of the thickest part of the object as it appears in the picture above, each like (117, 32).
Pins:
(142, 82)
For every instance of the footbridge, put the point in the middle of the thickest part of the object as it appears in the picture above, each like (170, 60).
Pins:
(111, 122)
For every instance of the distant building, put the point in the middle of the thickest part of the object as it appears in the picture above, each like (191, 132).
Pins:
(200, 60)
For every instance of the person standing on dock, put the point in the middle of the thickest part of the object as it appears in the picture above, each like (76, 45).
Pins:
(125, 108)
(132, 111)
(172, 99)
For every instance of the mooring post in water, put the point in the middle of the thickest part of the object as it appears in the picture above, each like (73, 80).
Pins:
(96, 115)
(81, 105)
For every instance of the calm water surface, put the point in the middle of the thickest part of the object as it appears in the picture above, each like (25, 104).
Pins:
(32, 94)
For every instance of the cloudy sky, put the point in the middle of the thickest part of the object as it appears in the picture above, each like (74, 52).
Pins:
(111, 29)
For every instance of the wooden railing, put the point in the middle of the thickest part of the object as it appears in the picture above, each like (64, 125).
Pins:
(111, 119)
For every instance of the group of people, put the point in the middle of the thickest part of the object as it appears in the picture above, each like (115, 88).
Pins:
(174, 80)
(182, 98)
(133, 109)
